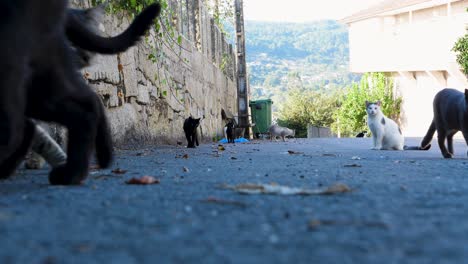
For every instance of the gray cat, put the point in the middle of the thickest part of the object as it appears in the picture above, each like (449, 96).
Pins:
(282, 132)
(450, 116)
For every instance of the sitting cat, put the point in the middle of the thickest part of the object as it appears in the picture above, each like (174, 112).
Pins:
(450, 116)
(190, 129)
(386, 134)
(282, 132)
(40, 79)
(230, 131)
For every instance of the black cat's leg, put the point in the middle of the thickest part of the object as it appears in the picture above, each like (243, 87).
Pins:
(465, 135)
(441, 136)
(12, 104)
(189, 140)
(9, 165)
(80, 117)
(195, 135)
(103, 143)
(450, 142)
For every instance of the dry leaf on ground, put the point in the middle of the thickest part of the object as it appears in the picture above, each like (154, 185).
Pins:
(119, 171)
(224, 202)
(143, 180)
(314, 224)
(286, 190)
(221, 148)
(292, 152)
(352, 165)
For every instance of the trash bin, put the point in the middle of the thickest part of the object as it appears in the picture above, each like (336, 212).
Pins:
(261, 115)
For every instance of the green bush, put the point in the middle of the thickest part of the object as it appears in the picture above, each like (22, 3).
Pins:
(307, 107)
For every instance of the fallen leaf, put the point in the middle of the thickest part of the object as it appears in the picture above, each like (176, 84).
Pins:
(185, 156)
(294, 152)
(224, 202)
(248, 188)
(336, 188)
(352, 165)
(233, 158)
(143, 180)
(106, 176)
(119, 171)
(314, 224)
(221, 148)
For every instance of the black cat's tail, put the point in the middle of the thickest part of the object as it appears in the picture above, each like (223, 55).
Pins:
(81, 36)
(104, 148)
(426, 142)
(417, 147)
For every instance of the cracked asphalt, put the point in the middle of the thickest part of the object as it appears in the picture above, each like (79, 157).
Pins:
(404, 207)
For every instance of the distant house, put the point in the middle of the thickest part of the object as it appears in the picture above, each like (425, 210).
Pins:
(412, 41)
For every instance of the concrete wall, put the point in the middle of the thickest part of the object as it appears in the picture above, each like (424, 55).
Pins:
(414, 45)
(319, 132)
(148, 101)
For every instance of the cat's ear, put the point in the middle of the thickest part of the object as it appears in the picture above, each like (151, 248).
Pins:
(367, 103)
(378, 103)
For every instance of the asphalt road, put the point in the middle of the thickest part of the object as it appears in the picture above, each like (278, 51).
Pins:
(403, 207)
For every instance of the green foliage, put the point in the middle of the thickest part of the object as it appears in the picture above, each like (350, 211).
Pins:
(307, 107)
(461, 49)
(351, 116)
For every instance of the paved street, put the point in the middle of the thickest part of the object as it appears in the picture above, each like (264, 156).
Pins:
(402, 207)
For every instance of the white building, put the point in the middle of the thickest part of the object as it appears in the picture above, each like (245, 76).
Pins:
(412, 41)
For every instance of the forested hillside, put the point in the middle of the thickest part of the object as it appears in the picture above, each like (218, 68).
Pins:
(308, 56)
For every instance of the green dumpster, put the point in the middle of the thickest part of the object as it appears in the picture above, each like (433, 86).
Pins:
(261, 115)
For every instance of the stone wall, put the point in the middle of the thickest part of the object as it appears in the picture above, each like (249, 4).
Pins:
(147, 101)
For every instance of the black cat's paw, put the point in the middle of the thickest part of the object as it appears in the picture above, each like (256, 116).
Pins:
(61, 175)
(447, 155)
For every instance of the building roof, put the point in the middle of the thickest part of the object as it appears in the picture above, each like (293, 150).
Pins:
(385, 6)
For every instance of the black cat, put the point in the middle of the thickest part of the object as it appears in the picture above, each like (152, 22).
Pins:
(450, 116)
(230, 131)
(39, 78)
(190, 128)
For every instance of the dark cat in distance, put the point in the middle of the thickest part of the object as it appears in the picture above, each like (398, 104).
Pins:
(40, 79)
(230, 131)
(191, 131)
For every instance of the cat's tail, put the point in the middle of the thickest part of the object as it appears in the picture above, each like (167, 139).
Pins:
(103, 143)
(417, 147)
(81, 36)
(426, 142)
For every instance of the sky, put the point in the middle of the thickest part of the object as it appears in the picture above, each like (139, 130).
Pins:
(302, 10)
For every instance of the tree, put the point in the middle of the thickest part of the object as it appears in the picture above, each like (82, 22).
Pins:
(303, 108)
(461, 50)
(351, 116)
